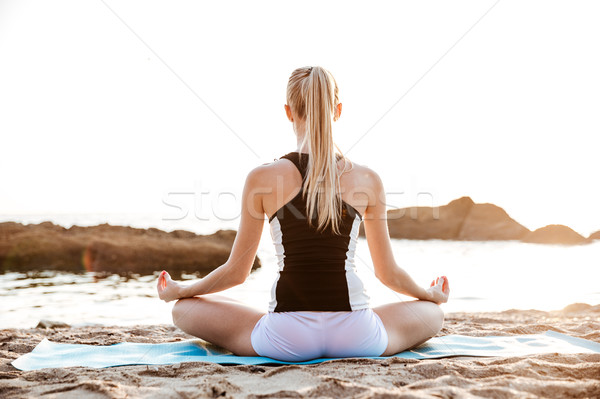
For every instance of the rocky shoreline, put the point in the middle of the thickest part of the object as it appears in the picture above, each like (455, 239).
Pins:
(463, 219)
(111, 249)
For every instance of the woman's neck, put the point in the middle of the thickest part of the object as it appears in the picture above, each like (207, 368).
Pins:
(299, 147)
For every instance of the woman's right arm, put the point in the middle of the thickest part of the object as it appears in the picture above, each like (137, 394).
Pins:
(378, 239)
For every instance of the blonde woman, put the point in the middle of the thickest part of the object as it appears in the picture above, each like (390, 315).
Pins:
(315, 201)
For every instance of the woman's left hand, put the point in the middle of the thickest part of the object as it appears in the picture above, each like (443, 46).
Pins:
(168, 290)
(439, 290)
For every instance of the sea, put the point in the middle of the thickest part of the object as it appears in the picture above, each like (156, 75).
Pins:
(483, 276)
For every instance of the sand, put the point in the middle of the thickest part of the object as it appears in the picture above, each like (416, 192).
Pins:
(549, 375)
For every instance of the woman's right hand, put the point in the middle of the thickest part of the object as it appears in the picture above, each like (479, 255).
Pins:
(439, 291)
(168, 290)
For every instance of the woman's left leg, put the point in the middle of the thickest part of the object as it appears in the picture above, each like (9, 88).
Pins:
(220, 320)
(409, 323)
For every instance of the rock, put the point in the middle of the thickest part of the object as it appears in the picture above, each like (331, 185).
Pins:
(555, 234)
(8, 229)
(111, 249)
(178, 256)
(39, 247)
(576, 307)
(424, 223)
(490, 222)
(52, 324)
(461, 219)
(594, 236)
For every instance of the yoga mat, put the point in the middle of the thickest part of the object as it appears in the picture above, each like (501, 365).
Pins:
(52, 355)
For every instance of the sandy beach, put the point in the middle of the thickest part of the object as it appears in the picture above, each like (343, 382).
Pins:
(550, 375)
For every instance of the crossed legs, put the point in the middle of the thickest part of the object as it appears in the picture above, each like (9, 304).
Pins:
(229, 323)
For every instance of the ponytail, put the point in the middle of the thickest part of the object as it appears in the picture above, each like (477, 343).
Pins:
(313, 95)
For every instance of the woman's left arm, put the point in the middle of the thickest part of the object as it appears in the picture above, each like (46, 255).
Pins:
(238, 266)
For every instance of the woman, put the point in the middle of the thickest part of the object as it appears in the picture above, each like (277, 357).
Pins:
(315, 201)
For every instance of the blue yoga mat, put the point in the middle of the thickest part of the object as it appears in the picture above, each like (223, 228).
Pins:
(52, 355)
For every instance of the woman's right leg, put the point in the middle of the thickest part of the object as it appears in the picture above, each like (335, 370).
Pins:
(218, 319)
(409, 323)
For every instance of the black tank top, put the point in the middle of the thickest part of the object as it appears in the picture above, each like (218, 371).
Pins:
(316, 269)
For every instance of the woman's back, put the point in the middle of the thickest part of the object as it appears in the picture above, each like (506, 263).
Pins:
(316, 267)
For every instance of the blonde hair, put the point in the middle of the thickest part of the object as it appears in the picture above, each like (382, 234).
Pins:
(312, 94)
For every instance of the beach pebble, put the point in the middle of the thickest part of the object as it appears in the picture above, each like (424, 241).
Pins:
(52, 324)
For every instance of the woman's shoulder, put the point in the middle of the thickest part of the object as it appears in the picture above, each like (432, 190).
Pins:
(362, 174)
(271, 170)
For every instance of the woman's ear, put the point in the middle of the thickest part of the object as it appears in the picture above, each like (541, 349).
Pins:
(337, 112)
(288, 112)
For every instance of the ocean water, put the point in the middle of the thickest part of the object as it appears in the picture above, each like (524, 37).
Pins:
(484, 276)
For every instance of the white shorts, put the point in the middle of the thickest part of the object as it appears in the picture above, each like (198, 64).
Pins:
(299, 336)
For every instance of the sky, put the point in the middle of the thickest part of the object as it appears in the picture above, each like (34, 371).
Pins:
(132, 106)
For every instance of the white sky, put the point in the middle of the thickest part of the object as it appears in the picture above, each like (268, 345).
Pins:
(92, 121)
